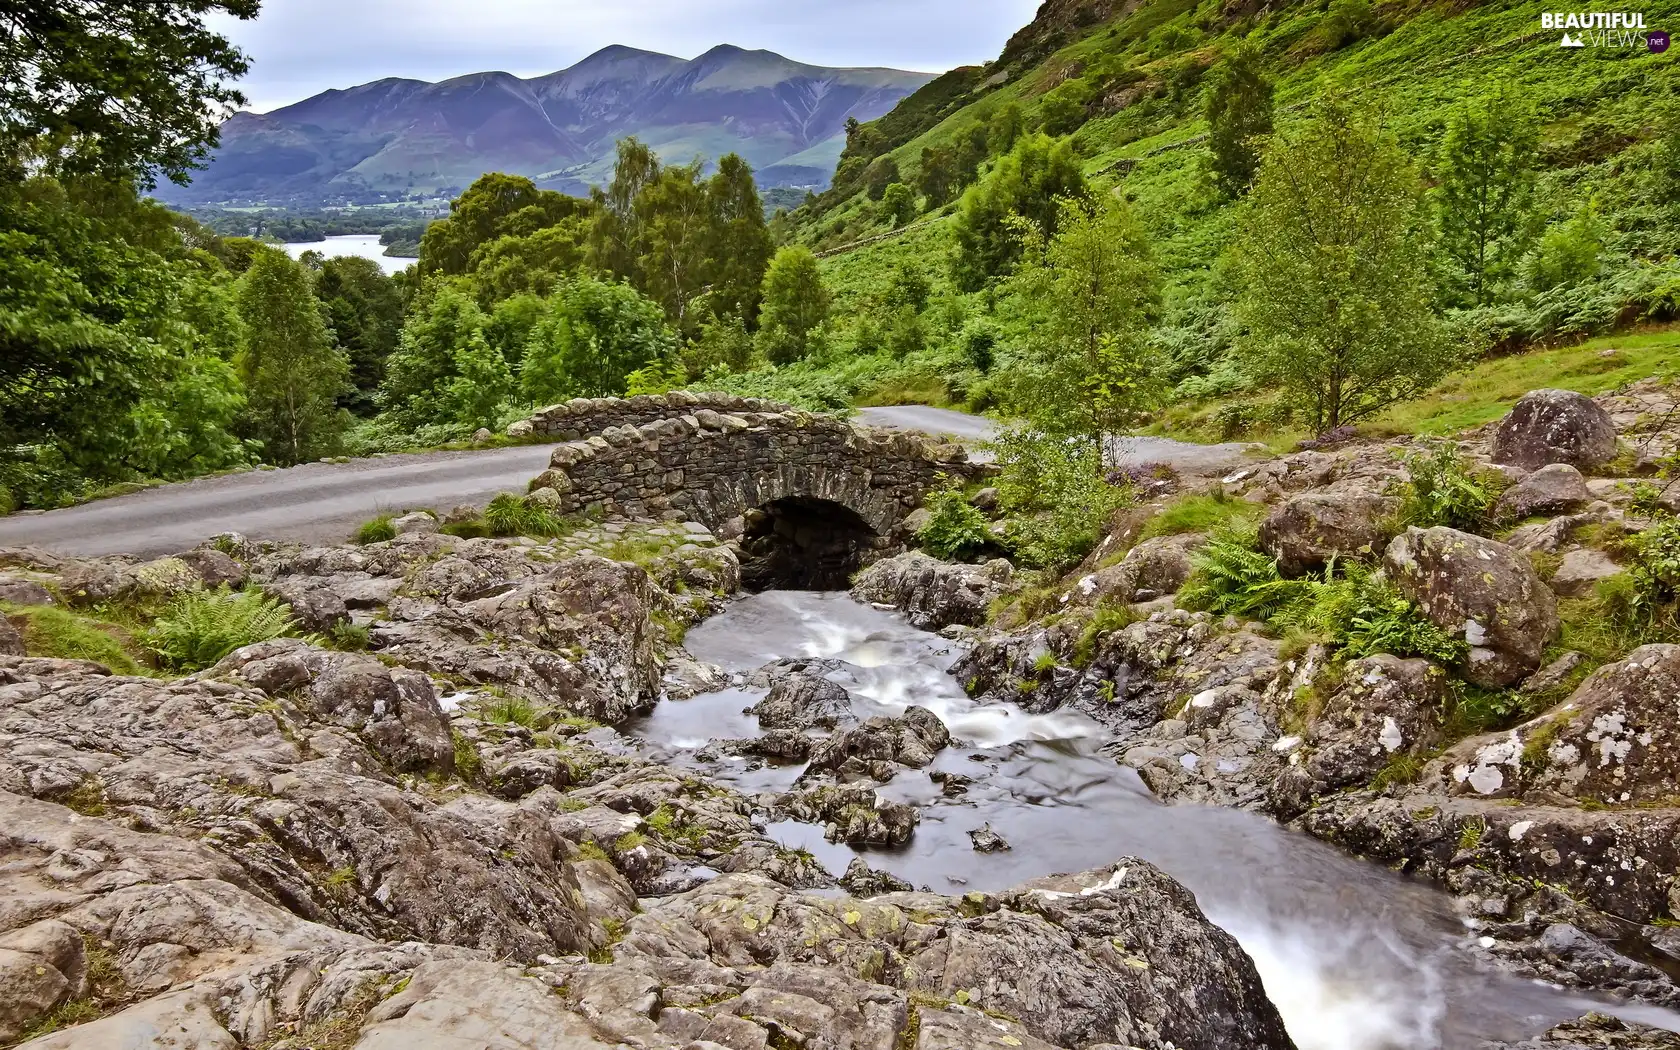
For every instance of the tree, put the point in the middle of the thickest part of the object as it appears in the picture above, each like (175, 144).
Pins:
(615, 239)
(899, 203)
(594, 334)
(795, 306)
(292, 371)
(1028, 182)
(678, 235)
(1006, 126)
(514, 264)
(1088, 370)
(740, 243)
(1238, 111)
(495, 205)
(442, 319)
(1333, 263)
(937, 177)
(1485, 169)
(124, 88)
(482, 383)
(365, 311)
(1567, 254)
(881, 173)
(1062, 110)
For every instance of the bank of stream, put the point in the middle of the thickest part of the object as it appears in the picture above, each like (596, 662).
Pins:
(1355, 956)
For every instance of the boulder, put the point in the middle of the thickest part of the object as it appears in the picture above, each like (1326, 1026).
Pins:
(851, 813)
(314, 607)
(213, 567)
(861, 880)
(1152, 568)
(1555, 426)
(1556, 488)
(1580, 572)
(804, 701)
(20, 591)
(1482, 591)
(1306, 531)
(934, 593)
(1614, 742)
(418, 523)
(865, 749)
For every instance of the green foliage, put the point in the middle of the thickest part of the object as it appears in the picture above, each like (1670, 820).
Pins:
(51, 631)
(511, 515)
(1207, 512)
(724, 345)
(1445, 488)
(365, 310)
(1087, 370)
(1567, 255)
(1057, 495)
(1485, 190)
(482, 383)
(125, 88)
(1230, 575)
(1333, 263)
(795, 306)
(292, 370)
(443, 321)
(376, 530)
(594, 335)
(1652, 602)
(1029, 182)
(349, 636)
(957, 531)
(899, 203)
(1384, 622)
(201, 627)
(496, 205)
(1238, 111)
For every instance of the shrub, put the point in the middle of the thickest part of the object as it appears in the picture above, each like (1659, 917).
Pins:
(1385, 622)
(202, 627)
(957, 530)
(1652, 602)
(1058, 495)
(348, 636)
(512, 515)
(378, 530)
(1446, 489)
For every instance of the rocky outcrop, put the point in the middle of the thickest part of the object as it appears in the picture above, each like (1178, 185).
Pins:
(1306, 531)
(1157, 566)
(804, 701)
(874, 747)
(934, 594)
(1555, 426)
(1482, 591)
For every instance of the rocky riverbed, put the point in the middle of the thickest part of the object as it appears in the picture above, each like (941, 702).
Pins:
(577, 792)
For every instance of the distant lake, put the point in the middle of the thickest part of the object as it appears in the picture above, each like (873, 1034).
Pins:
(364, 244)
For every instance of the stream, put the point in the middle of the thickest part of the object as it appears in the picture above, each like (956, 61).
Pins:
(1355, 956)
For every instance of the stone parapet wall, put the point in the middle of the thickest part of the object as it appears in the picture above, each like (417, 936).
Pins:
(713, 467)
(582, 416)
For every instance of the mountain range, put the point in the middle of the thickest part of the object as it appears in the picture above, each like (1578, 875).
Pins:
(397, 138)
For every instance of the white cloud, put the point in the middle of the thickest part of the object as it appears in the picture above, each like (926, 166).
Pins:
(300, 47)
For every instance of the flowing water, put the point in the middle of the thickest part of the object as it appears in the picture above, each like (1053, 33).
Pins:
(1354, 956)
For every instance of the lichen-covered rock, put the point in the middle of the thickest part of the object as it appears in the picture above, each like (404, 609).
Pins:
(1482, 591)
(1555, 426)
(1556, 488)
(804, 701)
(1613, 742)
(852, 813)
(1581, 571)
(1154, 567)
(913, 739)
(933, 593)
(1306, 531)
(213, 568)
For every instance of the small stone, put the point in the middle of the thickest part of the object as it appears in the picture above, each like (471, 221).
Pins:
(986, 840)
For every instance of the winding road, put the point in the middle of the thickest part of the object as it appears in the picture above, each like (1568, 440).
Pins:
(324, 502)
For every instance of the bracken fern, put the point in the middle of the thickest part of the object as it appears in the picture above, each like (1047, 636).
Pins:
(202, 627)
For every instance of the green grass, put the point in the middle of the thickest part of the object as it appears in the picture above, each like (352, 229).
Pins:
(59, 633)
(1199, 513)
(376, 530)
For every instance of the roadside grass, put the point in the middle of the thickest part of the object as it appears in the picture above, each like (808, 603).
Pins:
(52, 631)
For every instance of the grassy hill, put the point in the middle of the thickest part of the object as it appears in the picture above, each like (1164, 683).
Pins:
(1139, 66)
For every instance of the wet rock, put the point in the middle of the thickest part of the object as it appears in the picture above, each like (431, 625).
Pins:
(1482, 591)
(1597, 1032)
(781, 745)
(861, 880)
(1307, 531)
(1581, 571)
(1557, 488)
(802, 700)
(1555, 426)
(852, 813)
(986, 840)
(912, 739)
(933, 593)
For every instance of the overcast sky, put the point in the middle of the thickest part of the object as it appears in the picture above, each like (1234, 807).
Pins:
(300, 47)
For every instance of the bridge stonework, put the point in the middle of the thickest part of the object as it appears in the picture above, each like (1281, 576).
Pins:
(580, 417)
(715, 467)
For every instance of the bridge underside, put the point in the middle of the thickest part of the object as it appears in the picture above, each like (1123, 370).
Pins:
(803, 543)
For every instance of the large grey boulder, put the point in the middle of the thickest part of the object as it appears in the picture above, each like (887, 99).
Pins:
(933, 593)
(1156, 566)
(804, 701)
(1555, 426)
(1557, 488)
(1482, 591)
(1307, 531)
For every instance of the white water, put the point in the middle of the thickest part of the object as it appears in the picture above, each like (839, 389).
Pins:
(364, 244)
(1354, 957)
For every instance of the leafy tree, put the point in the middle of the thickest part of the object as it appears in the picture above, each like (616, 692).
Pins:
(1333, 263)
(795, 306)
(365, 310)
(513, 264)
(292, 371)
(1062, 109)
(495, 205)
(937, 177)
(881, 173)
(443, 319)
(1485, 169)
(677, 226)
(1567, 254)
(616, 238)
(909, 286)
(1345, 21)
(1088, 371)
(509, 326)
(1027, 182)
(1238, 110)
(594, 334)
(481, 384)
(741, 244)
(899, 203)
(1006, 126)
(723, 344)
(125, 88)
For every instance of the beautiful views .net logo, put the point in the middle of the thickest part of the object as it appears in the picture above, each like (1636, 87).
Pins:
(1621, 29)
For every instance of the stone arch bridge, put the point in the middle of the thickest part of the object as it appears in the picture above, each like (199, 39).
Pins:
(808, 498)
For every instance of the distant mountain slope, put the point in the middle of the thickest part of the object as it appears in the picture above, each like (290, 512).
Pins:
(400, 137)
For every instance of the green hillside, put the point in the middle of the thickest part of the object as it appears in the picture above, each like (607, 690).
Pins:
(1128, 87)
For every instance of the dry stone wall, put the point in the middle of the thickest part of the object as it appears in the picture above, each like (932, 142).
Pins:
(713, 467)
(582, 416)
